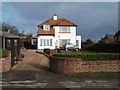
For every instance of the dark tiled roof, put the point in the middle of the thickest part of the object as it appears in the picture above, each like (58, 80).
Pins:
(109, 36)
(8, 35)
(35, 37)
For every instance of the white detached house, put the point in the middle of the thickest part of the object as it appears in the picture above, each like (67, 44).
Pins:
(56, 32)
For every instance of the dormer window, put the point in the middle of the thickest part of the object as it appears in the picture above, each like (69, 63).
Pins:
(46, 27)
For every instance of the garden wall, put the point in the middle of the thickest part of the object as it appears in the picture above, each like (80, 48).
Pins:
(5, 63)
(76, 65)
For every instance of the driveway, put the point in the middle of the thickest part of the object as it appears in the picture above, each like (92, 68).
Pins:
(34, 72)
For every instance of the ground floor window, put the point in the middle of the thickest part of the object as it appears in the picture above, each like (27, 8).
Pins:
(46, 42)
(77, 42)
(64, 41)
(34, 41)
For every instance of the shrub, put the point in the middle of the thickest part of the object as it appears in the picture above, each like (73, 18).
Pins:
(4, 53)
(89, 56)
(47, 51)
(21, 44)
(22, 55)
(27, 45)
(107, 48)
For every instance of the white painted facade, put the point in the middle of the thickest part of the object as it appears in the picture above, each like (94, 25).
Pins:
(59, 36)
(40, 46)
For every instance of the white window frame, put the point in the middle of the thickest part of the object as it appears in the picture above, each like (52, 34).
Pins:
(41, 42)
(64, 29)
(46, 42)
(46, 27)
(15, 42)
(51, 42)
(77, 42)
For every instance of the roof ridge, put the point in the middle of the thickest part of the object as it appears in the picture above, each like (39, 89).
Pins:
(59, 21)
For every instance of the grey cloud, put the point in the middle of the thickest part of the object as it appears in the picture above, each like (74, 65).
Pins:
(93, 19)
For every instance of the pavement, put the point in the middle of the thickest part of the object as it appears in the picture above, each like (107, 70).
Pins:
(33, 72)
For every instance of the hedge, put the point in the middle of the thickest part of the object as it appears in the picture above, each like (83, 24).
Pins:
(90, 56)
(47, 51)
(3, 53)
(107, 48)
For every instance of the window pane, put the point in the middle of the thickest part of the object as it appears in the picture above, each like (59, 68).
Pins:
(77, 42)
(15, 42)
(8, 43)
(46, 27)
(44, 42)
(47, 42)
(41, 43)
(50, 42)
(64, 29)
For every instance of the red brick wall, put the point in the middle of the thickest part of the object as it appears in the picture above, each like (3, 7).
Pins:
(75, 65)
(5, 63)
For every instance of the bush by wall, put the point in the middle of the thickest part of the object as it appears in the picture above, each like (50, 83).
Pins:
(47, 51)
(3, 53)
(27, 44)
(107, 48)
(90, 56)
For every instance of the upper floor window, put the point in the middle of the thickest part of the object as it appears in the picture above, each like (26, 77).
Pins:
(64, 29)
(46, 27)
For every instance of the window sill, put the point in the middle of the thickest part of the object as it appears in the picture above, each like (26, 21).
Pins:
(64, 32)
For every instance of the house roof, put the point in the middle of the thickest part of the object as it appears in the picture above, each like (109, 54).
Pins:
(59, 22)
(109, 36)
(45, 32)
(8, 35)
(35, 37)
(51, 22)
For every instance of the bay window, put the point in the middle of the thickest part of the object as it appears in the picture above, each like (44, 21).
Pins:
(46, 42)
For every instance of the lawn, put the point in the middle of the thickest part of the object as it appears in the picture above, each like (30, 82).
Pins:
(88, 56)
(95, 75)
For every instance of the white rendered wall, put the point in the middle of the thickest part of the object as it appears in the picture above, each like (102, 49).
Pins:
(55, 39)
(79, 38)
(46, 37)
(71, 35)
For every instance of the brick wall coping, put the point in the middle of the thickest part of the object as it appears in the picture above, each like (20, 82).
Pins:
(71, 58)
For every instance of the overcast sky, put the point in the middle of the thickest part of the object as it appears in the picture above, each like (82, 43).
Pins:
(94, 19)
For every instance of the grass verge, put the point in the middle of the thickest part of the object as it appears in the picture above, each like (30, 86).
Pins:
(96, 75)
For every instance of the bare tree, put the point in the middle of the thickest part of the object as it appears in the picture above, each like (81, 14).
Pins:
(8, 27)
